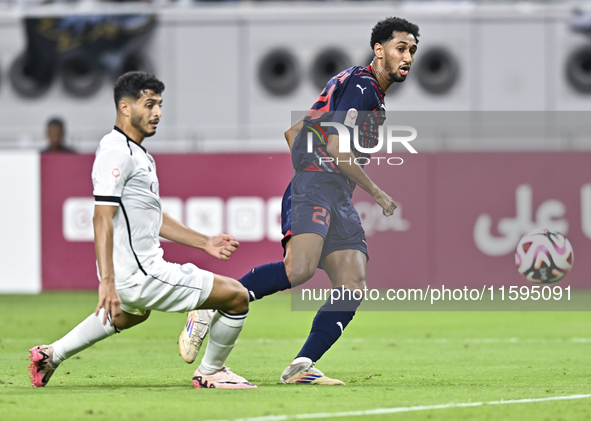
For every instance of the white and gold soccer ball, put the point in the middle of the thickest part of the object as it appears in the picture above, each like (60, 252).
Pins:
(544, 257)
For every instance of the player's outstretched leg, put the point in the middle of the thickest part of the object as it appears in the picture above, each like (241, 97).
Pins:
(329, 323)
(231, 301)
(332, 318)
(261, 281)
(45, 359)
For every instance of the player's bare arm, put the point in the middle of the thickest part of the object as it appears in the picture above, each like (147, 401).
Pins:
(103, 245)
(356, 174)
(291, 133)
(220, 246)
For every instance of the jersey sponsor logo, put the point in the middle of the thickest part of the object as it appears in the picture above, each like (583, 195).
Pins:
(361, 89)
(351, 118)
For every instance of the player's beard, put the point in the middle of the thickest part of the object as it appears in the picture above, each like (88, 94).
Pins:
(395, 77)
(138, 123)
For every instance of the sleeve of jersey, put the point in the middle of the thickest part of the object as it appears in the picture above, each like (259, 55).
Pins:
(110, 172)
(359, 97)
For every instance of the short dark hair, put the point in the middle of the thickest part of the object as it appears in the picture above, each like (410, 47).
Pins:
(382, 31)
(132, 84)
(56, 121)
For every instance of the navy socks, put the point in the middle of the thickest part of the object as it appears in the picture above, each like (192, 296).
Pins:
(329, 324)
(265, 280)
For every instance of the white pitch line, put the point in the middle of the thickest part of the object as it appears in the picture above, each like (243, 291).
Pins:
(381, 411)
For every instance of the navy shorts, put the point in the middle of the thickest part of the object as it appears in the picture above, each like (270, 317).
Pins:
(321, 204)
(286, 216)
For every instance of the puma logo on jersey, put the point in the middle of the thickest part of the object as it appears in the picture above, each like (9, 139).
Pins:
(362, 89)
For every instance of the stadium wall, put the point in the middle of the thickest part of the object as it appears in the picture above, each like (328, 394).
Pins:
(460, 215)
(218, 66)
(20, 218)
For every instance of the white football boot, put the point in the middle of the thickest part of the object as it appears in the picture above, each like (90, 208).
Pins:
(222, 379)
(42, 366)
(194, 333)
(305, 373)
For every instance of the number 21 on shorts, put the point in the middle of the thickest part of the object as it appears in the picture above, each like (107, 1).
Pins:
(321, 216)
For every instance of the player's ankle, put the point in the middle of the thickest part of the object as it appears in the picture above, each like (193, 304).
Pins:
(302, 360)
(207, 370)
(57, 357)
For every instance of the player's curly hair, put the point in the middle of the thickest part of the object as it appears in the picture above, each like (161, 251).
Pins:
(382, 31)
(131, 85)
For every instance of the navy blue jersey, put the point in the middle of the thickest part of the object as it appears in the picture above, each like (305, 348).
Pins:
(286, 216)
(352, 98)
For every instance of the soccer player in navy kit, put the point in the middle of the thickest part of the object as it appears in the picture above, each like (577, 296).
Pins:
(323, 228)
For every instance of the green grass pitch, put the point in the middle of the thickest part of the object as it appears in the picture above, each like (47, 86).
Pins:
(387, 359)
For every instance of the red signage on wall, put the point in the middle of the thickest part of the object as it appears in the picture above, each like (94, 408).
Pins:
(460, 215)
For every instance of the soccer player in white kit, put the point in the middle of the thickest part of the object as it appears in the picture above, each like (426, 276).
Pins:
(134, 277)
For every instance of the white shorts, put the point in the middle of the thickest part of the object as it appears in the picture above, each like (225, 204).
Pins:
(168, 287)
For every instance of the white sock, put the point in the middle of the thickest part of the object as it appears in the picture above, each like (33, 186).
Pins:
(223, 333)
(301, 360)
(87, 333)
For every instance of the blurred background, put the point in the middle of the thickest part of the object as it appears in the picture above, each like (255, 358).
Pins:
(234, 73)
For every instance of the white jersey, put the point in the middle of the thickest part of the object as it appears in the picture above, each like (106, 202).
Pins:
(124, 175)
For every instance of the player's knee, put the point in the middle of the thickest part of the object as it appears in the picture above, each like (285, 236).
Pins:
(145, 316)
(301, 273)
(239, 299)
(287, 262)
(126, 321)
(355, 284)
(142, 319)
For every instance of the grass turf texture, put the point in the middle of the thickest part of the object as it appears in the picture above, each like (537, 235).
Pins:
(387, 360)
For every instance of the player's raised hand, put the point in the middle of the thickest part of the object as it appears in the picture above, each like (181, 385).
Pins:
(221, 246)
(387, 204)
(109, 300)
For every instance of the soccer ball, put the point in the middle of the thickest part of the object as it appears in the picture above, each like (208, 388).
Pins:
(544, 257)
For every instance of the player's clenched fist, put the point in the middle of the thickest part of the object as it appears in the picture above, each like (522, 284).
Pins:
(387, 204)
(221, 246)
